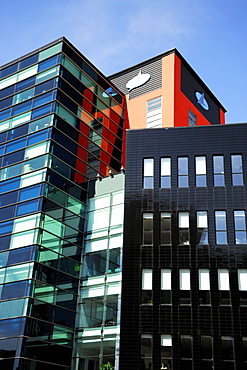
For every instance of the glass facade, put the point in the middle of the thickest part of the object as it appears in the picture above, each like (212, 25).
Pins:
(99, 305)
(59, 128)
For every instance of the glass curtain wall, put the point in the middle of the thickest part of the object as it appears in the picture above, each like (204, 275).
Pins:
(99, 309)
(44, 158)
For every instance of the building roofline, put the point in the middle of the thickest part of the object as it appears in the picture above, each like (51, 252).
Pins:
(162, 55)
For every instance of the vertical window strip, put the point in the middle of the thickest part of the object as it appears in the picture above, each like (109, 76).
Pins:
(237, 169)
(201, 171)
(220, 227)
(219, 173)
(165, 172)
(240, 227)
(147, 232)
(183, 172)
(183, 224)
(147, 286)
(165, 286)
(165, 228)
(148, 173)
(202, 227)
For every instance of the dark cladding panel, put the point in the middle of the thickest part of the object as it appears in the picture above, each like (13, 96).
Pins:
(154, 82)
(189, 86)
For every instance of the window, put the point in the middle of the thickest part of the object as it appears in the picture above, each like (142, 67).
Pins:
(220, 227)
(147, 236)
(183, 172)
(207, 352)
(202, 227)
(218, 164)
(148, 173)
(154, 113)
(227, 348)
(146, 351)
(165, 172)
(245, 349)
(147, 286)
(186, 352)
(240, 227)
(184, 284)
(165, 228)
(204, 286)
(166, 351)
(237, 169)
(242, 286)
(224, 286)
(201, 172)
(192, 118)
(183, 224)
(166, 286)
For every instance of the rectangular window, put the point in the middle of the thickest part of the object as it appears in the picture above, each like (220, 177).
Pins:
(237, 169)
(242, 286)
(184, 284)
(245, 349)
(183, 224)
(202, 227)
(165, 172)
(148, 173)
(218, 165)
(183, 172)
(146, 351)
(154, 113)
(147, 231)
(166, 286)
(240, 227)
(166, 351)
(227, 352)
(204, 286)
(192, 118)
(207, 352)
(147, 286)
(220, 227)
(165, 228)
(201, 180)
(224, 286)
(186, 352)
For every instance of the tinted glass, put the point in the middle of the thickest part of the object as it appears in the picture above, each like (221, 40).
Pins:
(36, 138)
(30, 192)
(9, 70)
(45, 98)
(25, 84)
(8, 91)
(9, 185)
(15, 290)
(13, 158)
(22, 107)
(6, 103)
(17, 144)
(16, 132)
(39, 89)
(5, 114)
(42, 111)
(8, 198)
(27, 207)
(5, 242)
(7, 212)
(29, 61)
(47, 63)
(21, 255)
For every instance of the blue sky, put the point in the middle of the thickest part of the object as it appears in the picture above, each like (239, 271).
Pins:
(114, 35)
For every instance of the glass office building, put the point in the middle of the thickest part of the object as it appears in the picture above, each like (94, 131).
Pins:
(61, 125)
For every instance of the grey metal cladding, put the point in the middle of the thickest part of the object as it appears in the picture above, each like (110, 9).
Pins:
(155, 82)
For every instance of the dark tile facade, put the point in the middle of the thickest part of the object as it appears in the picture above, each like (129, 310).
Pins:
(224, 319)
